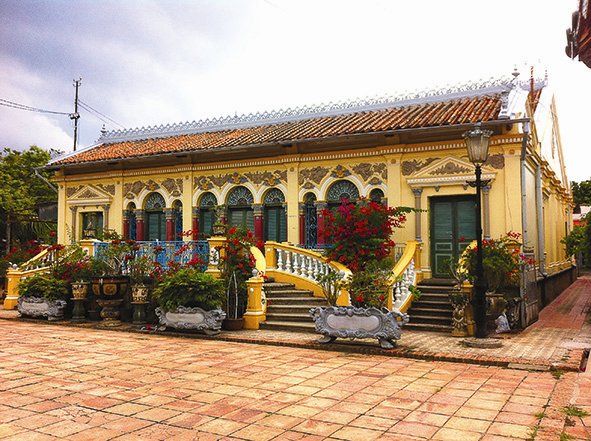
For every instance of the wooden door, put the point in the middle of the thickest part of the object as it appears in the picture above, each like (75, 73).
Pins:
(453, 228)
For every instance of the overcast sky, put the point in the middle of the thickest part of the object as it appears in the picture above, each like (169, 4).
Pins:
(152, 62)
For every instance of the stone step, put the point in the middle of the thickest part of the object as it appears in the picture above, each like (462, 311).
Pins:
(279, 325)
(429, 319)
(278, 286)
(290, 316)
(432, 327)
(287, 293)
(274, 309)
(435, 304)
(427, 289)
(300, 300)
(433, 297)
(432, 312)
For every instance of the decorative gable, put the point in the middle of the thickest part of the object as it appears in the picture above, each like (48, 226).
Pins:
(448, 171)
(88, 194)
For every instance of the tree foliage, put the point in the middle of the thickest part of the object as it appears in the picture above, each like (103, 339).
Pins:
(20, 189)
(582, 192)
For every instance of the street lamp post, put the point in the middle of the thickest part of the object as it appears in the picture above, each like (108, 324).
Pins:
(477, 141)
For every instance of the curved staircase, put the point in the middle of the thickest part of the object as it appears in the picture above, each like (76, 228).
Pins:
(433, 310)
(288, 308)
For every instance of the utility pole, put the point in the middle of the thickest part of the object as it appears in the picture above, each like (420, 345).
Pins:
(76, 116)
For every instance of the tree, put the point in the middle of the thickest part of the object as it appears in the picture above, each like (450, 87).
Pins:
(20, 189)
(581, 192)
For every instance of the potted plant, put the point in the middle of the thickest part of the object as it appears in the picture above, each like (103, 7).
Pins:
(360, 237)
(190, 299)
(42, 295)
(502, 263)
(110, 283)
(236, 266)
(460, 300)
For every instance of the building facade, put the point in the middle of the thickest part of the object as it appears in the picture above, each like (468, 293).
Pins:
(275, 172)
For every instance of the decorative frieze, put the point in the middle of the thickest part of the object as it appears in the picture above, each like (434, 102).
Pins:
(71, 191)
(269, 178)
(107, 188)
(451, 168)
(496, 161)
(410, 167)
(310, 176)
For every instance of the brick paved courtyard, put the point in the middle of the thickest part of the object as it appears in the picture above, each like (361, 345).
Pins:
(86, 384)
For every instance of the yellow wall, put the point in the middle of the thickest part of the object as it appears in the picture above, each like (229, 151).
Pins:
(385, 167)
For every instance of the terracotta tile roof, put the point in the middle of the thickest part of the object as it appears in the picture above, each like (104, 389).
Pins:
(429, 114)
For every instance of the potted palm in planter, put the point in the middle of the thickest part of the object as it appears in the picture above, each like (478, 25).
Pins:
(42, 295)
(360, 237)
(190, 299)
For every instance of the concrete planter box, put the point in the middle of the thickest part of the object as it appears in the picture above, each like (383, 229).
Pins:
(40, 307)
(210, 322)
(350, 322)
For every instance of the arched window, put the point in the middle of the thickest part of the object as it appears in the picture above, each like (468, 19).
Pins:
(310, 221)
(177, 207)
(131, 218)
(155, 219)
(207, 204)
(274, 216)
(376, 195)
(341, 190)
(240, 212)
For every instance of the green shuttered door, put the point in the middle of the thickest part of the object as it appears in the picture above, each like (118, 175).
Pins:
(453, 227)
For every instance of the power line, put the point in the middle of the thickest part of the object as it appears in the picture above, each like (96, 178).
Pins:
(18, 106)
(98, 114)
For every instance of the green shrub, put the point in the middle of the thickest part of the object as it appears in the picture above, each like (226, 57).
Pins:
(190, 287)
(44, 286)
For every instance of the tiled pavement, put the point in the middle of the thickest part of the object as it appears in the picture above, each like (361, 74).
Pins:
(63, 382)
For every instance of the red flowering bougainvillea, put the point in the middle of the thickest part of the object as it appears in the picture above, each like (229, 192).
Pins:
(501, 261)
(361, 239)
(361, 233)
(236, 265)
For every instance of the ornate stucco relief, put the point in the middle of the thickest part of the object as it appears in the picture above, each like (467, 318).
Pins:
(410, 167)
(450, 168)
(496, 161)
(269, 178)
(107, 188)
(71, 191)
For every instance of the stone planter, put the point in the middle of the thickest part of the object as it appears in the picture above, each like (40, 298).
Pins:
(110, 287)
(79, 295)
(459, 320)
(210, 322)
(350, 322)
(233, 324)
(80, 290)
(40, 307)
(139, 293)
(110, 293)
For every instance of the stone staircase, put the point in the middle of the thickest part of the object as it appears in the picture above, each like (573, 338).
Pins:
(288, 308)
(433, 310)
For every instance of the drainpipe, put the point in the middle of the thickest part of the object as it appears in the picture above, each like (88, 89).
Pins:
(523, 183)
(44, 179)
(523, 281)
(540, 220)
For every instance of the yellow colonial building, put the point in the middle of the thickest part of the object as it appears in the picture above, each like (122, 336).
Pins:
(275, 171)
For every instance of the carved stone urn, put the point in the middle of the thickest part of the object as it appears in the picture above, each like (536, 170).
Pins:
(350, 322)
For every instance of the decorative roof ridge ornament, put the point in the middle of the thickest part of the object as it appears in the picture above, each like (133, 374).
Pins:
(491, 86)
